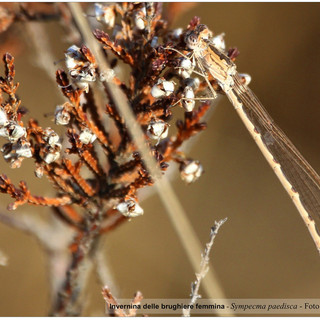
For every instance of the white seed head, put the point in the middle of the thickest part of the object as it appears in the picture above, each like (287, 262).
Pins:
(218, 42)
(158, 129)
(188, 101)
(17, 133)
(168, 87)
(62, 117)
(139, 22)
(246, 77)
(51, 157)
(191, 171)
(86, 136)
(79, 68)
(156, 92)
(186, 64)
(185, 68)
(24, 150)
(73, 57)
(105, 14)
(50, 137)
(3, 118)
(162, 88)
(130, 208)
(139, 18)
(39, 171)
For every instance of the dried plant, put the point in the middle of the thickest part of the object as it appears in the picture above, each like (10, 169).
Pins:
(204, 267)
(95, 165)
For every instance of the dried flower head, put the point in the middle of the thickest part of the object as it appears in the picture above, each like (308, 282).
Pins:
(105, 14)
(190, 171)
(130, 208)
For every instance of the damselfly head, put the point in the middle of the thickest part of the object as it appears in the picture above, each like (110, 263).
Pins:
(191, 40)
(193, 37)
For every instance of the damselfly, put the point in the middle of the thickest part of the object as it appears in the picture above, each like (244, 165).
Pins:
(296, 175)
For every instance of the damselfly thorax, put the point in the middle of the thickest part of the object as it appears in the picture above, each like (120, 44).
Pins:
(296, 175)
(210, 59)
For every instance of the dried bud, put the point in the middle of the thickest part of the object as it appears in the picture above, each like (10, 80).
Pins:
(185, 68)
(50, 137)
(3, 118)
(17, 133)
(188, 101)
(158, 129)
(51, 157)
(14, 153)
(162, 88)
(218, 42)
(190, 171)
(12, 131)
(73, 57)
(23, 149)
(86, 136)
(80, 69)
(246, 78)
(186, 64)
(130, 208)
(105, 14)
(140, 18)
(39, 171)
(62, 117)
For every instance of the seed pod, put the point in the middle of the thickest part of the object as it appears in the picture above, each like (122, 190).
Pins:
(80, 68)
(188, 101)
(12, 131)
(73, 57)
(50, 137)
(218, 42)
(3, 118)
(51, 157)
(39, 171)
(17, 133)
(62, 117)
(158, 129)
(162, 88)
(105, 14)
(185, 68)
(130, 208)
(86, 136)
(140, 18)
(23, 149)
(190, 171)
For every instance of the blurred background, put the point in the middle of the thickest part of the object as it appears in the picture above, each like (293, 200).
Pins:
(264, 250)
